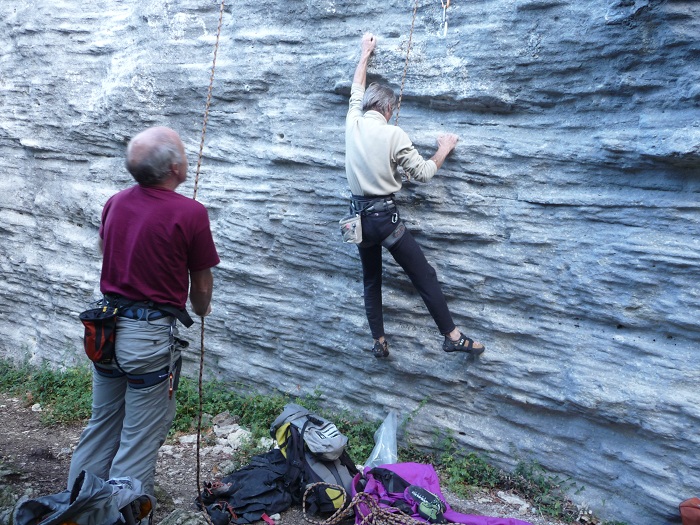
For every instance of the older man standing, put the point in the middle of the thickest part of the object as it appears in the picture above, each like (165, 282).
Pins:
(157, 246)
(373, 151)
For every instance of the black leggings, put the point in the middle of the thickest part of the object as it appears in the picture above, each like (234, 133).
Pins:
(375, 228)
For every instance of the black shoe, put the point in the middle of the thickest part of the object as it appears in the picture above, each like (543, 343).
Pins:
(380, 350)
(463, 344)
(430, 506)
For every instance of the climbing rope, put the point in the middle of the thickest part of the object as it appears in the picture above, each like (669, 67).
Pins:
(445, 4)
(196, 184)
(376, 515)
(208, 104)
(405, 67)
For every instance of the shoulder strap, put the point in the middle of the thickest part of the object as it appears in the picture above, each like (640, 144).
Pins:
(294, 446)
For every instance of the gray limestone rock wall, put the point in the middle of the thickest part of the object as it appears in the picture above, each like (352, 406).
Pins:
(564, 226)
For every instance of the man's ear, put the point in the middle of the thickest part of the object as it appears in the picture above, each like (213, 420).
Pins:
(176, 171)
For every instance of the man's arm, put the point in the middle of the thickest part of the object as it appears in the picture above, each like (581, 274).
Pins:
(369, 41)
(201, 288)
(446, 143)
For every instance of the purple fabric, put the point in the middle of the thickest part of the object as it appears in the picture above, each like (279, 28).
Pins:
(423, 476)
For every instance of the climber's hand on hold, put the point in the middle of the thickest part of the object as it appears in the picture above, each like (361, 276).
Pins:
(369, 42)
(447, 141)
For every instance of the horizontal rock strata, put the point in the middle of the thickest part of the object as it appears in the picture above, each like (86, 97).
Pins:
(564, 226)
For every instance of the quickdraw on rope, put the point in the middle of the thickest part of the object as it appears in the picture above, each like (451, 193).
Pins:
(445, 5)
(196, 184)
(376, 515)
(405, 67)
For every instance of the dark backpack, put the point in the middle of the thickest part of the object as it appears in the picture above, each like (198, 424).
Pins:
(305, 468)
(251, 493)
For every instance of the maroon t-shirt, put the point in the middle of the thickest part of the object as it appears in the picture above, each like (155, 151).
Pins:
(152, 238)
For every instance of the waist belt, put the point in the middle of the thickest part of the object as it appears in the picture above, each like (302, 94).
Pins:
(142, 313)
(147, 310)
(367, 205)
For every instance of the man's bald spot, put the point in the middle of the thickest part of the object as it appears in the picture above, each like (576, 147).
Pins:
(156, 155)
(142, 145)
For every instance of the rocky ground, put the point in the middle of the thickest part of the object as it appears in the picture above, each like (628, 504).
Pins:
(34, 461)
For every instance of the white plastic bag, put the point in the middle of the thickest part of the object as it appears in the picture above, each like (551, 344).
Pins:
(385, 449)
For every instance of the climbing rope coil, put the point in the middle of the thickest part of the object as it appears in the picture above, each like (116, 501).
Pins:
(376, 515)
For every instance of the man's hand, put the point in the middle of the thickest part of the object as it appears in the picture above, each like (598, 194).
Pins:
(369, 42)
(446, 143)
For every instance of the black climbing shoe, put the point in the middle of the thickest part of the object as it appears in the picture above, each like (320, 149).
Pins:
(380, 350)
(463, 344)
(430, 506)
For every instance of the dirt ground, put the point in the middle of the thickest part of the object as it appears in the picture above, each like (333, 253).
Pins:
(34, 460)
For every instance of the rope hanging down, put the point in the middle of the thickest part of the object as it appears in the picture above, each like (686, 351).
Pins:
(196, 184)
(208, 104)
(405, 67)
(445, 4)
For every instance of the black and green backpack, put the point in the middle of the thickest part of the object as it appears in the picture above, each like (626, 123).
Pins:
(293, 430)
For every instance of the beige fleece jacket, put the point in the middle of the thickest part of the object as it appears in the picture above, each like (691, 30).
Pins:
(374, 149)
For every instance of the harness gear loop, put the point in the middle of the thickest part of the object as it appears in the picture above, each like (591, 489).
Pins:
(405, 67)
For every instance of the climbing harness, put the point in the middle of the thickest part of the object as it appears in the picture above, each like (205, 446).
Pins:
(405, 67)
(196, 184)
(445, 5)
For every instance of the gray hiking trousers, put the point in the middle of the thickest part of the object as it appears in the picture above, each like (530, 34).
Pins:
(130, 422)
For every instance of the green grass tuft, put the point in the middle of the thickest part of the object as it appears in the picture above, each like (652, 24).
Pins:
(65, 396)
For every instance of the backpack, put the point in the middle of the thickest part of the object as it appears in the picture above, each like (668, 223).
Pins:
(320, 435)
(249, 494)
(307, 441)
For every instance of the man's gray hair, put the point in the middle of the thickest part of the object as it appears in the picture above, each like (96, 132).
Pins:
(153, 168)
(379, 98)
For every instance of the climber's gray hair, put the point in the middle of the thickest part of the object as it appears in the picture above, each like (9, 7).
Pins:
(379, 98)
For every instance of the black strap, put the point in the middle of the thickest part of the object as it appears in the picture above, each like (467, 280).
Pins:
(394, 236)
(181, 315)
(366, 205)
